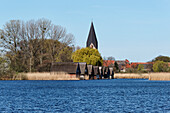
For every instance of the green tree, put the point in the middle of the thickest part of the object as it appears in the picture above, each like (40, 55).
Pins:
(64, 55)
(162, 58)
(116, 67)
(160, 66)
(88, 55)
(140, 67)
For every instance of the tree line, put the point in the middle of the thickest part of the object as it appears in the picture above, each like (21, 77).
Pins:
(33, 45)
(161, 64)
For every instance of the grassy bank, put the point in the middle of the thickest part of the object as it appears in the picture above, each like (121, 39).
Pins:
(150, 76)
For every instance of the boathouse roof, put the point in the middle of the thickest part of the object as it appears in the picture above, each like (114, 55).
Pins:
(96, 70)
(90, 69)
(83, 68)
(69, 67)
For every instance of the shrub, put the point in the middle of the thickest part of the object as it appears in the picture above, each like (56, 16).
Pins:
(131, 70)
(160, 66)
(140, 67)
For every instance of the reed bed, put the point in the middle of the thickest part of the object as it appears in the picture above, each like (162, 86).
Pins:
(150, 76)
(45, 76)
(160, 76)
(131, 76)
(65, 76)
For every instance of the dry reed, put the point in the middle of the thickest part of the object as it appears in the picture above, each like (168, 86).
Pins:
(160, 76)
(131, 76)
(150, 76)
(50, 76)
(65, 76)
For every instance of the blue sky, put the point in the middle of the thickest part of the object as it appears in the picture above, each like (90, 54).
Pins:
(138, 30)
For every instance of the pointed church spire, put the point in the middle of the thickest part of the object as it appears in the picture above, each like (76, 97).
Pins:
(92, 40)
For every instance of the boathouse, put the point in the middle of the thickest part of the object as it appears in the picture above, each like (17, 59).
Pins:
(100, 72)
(70, 68)
(73, 69)
(84, 70)
(111, 73)
(90, 71)
(96, 72)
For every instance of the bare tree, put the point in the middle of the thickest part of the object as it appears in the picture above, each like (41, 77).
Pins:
(58, 34)
(110, 58)
(33, 41)
(30, 44)
(44, 26)
(11, 37)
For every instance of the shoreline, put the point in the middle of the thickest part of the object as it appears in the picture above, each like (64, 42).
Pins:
(63, 76)
(150, 76)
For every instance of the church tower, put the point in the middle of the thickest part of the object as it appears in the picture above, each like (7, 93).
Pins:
(92, 40)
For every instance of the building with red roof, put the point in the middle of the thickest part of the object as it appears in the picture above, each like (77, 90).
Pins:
(147, 65)
(125, 64)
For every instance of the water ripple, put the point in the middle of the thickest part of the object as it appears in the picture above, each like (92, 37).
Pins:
(121, 95)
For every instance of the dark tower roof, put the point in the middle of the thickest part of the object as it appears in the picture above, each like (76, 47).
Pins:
(92, 37)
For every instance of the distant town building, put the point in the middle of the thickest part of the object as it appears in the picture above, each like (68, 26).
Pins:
(123, 64)
(169, 64)
(92, 40)
(147, 65)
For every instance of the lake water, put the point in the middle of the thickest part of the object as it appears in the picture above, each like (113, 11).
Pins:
(118, 95)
